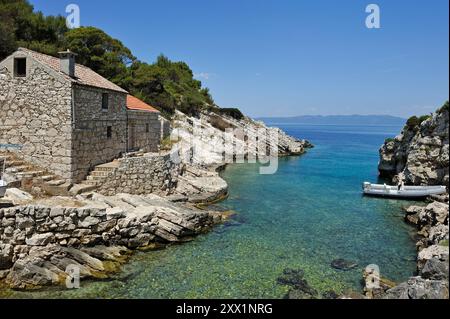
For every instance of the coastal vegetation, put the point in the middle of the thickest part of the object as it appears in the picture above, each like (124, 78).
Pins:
(414, 121)
(165, 84)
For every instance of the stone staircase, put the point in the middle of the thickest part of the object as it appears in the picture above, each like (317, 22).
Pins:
(100, 173)
(30, 177)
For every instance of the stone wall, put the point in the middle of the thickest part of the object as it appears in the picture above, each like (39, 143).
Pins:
(25, 227)
(152, 173)
(35, 113)
(91, 146)
(144, 129)
(39, 241)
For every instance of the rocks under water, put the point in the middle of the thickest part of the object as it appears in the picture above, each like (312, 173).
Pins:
(343, 264)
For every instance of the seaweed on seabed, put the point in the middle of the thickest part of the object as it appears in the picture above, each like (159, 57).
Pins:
(300, 289)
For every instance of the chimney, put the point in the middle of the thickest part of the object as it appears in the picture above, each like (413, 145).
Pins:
(67, 62)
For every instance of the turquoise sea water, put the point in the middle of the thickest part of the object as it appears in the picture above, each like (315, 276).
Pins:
(304, 216)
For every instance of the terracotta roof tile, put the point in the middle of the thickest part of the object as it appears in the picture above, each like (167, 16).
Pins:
(83, 74)
(133, 103)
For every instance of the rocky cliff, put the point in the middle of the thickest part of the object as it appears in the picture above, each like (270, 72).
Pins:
(420, 152)
(219, 139)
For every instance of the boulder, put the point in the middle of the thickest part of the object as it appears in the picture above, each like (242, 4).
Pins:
(18, 196)
(435, 251)
(40, 239)
(343, 264)
(419, 288)
(434, 213)
(436, 269)
(6, 256)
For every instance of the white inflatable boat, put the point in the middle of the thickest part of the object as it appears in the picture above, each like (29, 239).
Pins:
(403, 192)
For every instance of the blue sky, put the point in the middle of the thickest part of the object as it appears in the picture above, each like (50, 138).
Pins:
(291, 57)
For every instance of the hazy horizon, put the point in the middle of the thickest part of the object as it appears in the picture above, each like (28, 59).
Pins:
(331, 115)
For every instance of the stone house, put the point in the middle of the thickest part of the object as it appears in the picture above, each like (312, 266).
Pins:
(66, 118)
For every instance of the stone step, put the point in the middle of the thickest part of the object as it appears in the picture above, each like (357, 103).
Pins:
(94, 178)
(8, 157)
(13, 163)
(55, 182)
(78, 189)
(100, 173)
(54, 188)
(22, 168)
(89, 182)
(104, 169)
(30, 174)
(46, 178)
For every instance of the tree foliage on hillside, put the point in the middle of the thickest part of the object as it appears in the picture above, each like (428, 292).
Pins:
(165, 84)
(169, 86)
(100, 52)
(20, 26)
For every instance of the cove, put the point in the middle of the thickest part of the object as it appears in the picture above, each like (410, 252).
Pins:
(303, 217)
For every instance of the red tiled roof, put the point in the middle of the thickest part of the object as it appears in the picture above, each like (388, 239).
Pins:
(133, 103)
(83, 74)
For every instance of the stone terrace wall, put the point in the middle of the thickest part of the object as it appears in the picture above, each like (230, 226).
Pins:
(35, 112)
(90, 143)
(143, 140)
(23, 228)
(152, 173)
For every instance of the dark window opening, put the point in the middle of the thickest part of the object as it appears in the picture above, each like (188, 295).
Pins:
(109, 132)
(147, 128)
(105, 101)
(20, 67)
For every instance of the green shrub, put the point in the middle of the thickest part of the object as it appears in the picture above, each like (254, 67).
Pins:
(423, 118)
(388, 140)
(415, 121)
(233, 112)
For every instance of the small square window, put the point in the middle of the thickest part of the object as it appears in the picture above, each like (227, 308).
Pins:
(147, 128)
(20, 67)
(105, 101)
(109, 132)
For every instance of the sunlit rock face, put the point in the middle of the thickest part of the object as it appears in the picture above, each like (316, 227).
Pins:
(420, 152)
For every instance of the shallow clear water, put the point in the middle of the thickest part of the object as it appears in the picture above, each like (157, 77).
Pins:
(307, 214)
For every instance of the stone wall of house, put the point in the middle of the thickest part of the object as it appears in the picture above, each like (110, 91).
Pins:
(143, 131)
(152, 173)
(35, 114)
(91, 145)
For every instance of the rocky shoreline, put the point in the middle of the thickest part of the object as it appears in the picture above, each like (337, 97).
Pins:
(96, 234)
(40, 238)
(432, 279)
(419, 155)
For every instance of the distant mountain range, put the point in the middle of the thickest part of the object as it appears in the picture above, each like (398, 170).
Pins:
(337, 120)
